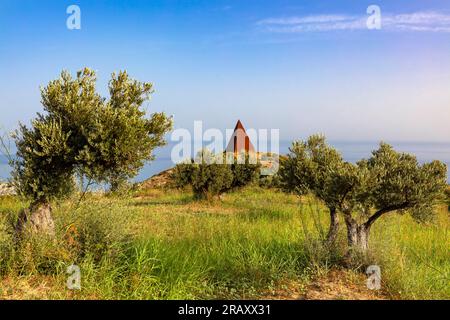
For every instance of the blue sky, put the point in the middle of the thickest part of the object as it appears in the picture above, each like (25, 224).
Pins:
(300, 66)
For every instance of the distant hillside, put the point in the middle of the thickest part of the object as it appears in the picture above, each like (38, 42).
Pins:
(160, 180)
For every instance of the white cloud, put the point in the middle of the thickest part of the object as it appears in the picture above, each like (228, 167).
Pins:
(428, 21)
(303, 20)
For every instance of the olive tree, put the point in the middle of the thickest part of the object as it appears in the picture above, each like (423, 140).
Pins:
(389, 181)
(80, 132)
(209, 175)
(213, 174)
(245, 168)
(363, 192)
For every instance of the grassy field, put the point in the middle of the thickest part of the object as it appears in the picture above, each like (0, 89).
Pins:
(255, 243)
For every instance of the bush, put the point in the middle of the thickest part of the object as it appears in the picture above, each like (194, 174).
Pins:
(245, 171)
(182, 174)
(270, 181)
(210, 175)
(207, 180)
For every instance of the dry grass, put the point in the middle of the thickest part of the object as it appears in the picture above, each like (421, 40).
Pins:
(337, 284)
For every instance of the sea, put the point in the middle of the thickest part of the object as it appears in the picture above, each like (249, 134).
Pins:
(351, 151)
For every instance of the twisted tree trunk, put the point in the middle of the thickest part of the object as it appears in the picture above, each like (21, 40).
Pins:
(36, 219)
(357, 235)
(334, 227)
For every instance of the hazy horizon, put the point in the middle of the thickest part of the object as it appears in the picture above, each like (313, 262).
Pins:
(351, 151)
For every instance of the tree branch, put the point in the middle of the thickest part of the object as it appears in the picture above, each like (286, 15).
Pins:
(5, 148)
(380, 212)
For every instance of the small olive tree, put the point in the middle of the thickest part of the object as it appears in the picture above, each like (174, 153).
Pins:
(213, 174)
(245, 168)
(389, 181)
(386, 182)
(181, 175)
(208, 174)
(82, 133)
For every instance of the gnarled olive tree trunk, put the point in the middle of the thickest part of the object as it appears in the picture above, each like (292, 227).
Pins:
(334, 227)
(357, 234)
(36, 219)
(358, 237)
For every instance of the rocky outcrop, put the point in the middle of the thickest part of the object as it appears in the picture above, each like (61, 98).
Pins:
(160, 180)
(6, 189)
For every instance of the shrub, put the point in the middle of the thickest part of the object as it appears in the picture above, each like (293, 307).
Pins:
(245, 170)
(207, 180)
(211, 175)
(182, 174)
(269, 182)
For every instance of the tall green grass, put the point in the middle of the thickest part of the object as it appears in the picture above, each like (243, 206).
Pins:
(415, 258)
(163, 245)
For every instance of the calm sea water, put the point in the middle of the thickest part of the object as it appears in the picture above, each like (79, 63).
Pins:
(352, 151)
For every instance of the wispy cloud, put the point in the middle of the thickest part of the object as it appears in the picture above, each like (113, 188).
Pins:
(223, 8)
(304, 20)
(429, 21)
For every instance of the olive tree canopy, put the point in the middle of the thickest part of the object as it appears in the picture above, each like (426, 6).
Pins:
(363, 192)
(105, 140)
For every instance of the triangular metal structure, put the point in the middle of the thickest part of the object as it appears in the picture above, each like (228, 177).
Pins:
(240, 141)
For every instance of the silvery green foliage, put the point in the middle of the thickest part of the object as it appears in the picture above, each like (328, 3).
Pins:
(182, 174)
(363, 192)
(82, 132)
(397, 181)
(245, 169)
(212, 174)
(208, 174)
(311, 167)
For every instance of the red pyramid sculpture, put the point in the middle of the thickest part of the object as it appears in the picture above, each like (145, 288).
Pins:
(240, 141)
